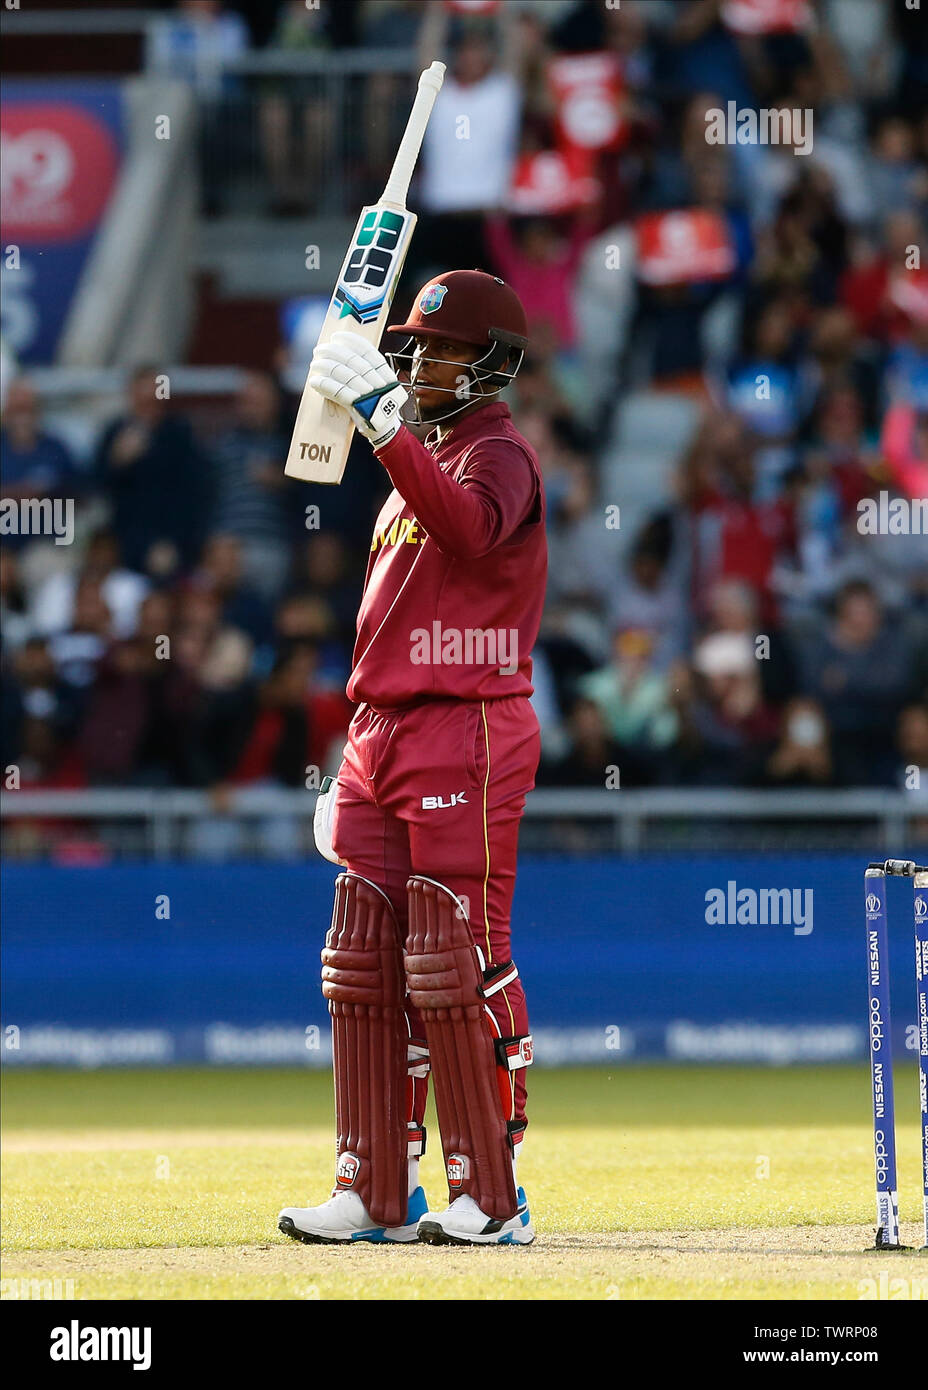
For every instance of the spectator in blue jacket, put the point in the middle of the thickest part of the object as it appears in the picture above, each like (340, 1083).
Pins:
(34, 463)
(155, 477)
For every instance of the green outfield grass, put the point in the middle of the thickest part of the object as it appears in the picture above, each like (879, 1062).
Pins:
(644, 1182)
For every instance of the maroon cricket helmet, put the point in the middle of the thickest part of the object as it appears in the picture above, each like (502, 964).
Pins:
(467, 306)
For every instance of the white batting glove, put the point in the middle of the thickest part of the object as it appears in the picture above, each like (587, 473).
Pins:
(355, 375)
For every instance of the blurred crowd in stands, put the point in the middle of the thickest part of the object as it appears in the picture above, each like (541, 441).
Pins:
(729, 364)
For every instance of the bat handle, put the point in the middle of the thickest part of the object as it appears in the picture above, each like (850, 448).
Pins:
(400, 175)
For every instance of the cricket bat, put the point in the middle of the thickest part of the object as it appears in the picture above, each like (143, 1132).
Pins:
(363, 296)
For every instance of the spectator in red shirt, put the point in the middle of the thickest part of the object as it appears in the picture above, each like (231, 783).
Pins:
(296, 724)
(734, 537)
(865, 288)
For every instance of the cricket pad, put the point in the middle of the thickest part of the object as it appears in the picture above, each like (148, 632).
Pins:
(363, 981)
(444, 974)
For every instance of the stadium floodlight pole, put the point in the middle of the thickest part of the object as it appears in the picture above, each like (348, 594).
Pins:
(881, 1057)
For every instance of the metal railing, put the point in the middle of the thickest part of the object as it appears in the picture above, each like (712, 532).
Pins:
(88, 19)
(159, 824)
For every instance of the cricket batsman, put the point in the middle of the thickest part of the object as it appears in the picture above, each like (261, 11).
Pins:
(424, 815)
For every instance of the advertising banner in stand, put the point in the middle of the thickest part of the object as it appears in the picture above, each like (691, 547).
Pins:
(684, 247)
(62, 145)
(679, 958)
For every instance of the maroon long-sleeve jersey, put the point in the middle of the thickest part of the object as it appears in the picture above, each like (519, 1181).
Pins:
(456, 578)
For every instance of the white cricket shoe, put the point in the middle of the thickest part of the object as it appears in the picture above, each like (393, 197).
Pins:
(343, 1219)
(465, 1224)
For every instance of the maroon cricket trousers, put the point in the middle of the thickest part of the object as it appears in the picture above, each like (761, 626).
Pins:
(438, 789)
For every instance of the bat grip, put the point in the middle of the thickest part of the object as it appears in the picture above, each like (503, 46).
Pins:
(400, 175)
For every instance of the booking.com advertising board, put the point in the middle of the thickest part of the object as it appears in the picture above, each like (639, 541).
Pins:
(61, 148)
(674, 958)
